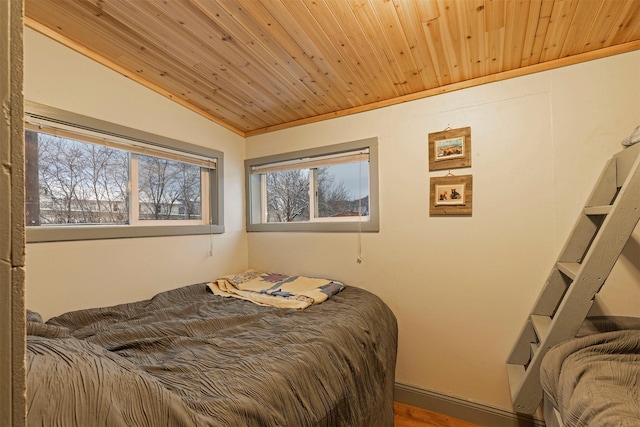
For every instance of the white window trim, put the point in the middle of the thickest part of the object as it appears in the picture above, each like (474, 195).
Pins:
(256, 187)
(109, 133)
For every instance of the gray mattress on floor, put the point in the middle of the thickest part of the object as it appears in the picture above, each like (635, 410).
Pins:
(189, 358)
(594, 379)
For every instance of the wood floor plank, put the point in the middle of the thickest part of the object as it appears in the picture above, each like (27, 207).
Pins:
(410, 416)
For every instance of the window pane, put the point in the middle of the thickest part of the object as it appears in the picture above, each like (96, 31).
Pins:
(287, 196)
(343, 190)
(168, 190)
(74, 182)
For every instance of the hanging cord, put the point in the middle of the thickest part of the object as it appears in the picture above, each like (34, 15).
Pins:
(359, 259)
(210, 240)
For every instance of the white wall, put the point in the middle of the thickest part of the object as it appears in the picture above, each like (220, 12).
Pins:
(461, 288)
(73, 275)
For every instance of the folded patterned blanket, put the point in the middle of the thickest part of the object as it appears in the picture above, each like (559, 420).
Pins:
(277, 290)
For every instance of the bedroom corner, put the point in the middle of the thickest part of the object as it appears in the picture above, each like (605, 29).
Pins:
(70, 275)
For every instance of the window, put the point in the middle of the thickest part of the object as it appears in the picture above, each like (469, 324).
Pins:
(332, 188)
(88, 179)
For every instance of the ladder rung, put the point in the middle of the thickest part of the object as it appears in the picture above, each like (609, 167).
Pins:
(554, 289)
(516, 375)
(569, 269)
(541, 324)
(597, 210)
(521, 352)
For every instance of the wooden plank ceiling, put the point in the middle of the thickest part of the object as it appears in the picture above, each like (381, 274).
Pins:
(260, 65)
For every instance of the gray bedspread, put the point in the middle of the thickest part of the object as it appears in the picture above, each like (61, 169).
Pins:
(189, 358)
(594, 379)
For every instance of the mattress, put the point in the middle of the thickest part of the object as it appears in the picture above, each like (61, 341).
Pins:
(189, 358)
(594, 379)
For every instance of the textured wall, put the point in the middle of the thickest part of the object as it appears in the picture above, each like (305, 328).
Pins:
(12, 244)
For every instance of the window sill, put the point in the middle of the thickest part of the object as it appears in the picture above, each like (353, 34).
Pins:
(71, 233)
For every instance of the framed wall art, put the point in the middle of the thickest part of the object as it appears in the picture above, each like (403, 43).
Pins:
(451, 195)
(450, 149)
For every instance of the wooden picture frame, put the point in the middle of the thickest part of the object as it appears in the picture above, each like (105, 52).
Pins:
(451, 195)
(450, 149)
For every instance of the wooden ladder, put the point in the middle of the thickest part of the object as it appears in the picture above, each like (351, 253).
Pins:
(592, 249)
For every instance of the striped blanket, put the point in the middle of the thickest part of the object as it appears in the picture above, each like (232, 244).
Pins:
(275, 289)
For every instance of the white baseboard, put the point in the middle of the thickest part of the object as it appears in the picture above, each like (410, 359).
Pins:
(455, 407)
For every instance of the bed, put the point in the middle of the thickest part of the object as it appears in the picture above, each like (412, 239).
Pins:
(187, 357)
(594, 379)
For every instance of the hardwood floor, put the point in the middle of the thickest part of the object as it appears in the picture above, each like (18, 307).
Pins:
(410, 416)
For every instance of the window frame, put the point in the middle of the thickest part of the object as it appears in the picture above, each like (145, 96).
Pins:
(253, 190)
(58, 233)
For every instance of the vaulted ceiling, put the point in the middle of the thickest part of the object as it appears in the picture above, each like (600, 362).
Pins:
(260, 65)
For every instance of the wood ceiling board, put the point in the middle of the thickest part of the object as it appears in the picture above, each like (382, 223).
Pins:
(363, 61)
(260, 65)
(579, 30)
(610, 16)
(322, 33)
(315, 73)
(283, 73)
(517, 14)
(407, 10)
(253, 70)
(381, 27)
